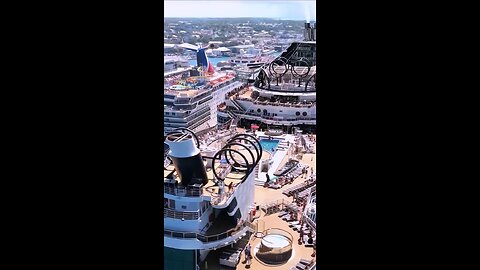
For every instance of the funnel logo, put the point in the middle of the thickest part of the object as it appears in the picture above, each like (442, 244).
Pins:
(202, 59)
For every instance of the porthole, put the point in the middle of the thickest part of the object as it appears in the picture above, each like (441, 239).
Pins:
(259, 110)
(297, 113)
(304, 113)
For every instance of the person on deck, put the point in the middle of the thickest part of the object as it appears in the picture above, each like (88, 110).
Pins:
(248, 254)
(300, 241)
(220, 190)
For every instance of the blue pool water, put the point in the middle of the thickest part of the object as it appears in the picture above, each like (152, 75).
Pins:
(214, 60)
(267, 145)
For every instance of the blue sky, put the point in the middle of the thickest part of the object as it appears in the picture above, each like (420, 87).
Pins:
(296, 10)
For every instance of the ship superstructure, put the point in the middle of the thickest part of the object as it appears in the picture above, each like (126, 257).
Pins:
(283, 94)
(208, 199)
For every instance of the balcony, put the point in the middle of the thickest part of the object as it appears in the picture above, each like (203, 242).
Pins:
(208, 238)
(186, 215)
(190, 191)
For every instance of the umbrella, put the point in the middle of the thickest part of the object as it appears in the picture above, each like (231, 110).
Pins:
(253, 126)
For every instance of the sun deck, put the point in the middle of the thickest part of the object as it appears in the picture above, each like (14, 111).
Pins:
(264, 196)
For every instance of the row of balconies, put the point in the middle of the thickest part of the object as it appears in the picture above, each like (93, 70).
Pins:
(296, 105)
(278, 120)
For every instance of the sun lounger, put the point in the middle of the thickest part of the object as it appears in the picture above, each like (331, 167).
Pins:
(305, 239)
(292, 225)
(305, 262)
(301, 266)
(230, 262)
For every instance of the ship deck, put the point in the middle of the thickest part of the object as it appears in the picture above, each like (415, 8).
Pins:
(233, 177)
(262, 197)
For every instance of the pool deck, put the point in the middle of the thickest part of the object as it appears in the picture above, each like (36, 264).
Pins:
(279, 157)
(267, 195)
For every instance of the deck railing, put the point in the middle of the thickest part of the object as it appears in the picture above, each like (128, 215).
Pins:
(207, 238)
(189, 191)
(187, 215)
(277, 118)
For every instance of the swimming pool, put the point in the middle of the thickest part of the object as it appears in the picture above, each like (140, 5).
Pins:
(268, 145)
(275, 241)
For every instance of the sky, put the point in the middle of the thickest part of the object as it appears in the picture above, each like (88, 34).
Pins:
(287, 9)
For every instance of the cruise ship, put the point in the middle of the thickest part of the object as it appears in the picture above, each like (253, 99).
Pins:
(192, 94)
(250, 60)
(283, 94)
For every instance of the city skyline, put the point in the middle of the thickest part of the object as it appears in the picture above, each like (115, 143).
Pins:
(287, 10)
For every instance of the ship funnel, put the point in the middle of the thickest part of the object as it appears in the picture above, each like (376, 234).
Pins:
(307, 32)
(314, 32)
(186, 158)
(310, 32)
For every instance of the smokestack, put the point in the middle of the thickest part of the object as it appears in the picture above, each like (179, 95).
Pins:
(307, 32)
(187, 159)
(314, 32)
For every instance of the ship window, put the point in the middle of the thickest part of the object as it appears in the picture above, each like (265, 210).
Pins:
(259, 110)
(304, 113)
(173, 113)
(297, 113)
(167, 113)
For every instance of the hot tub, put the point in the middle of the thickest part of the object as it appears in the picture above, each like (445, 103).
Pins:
(275, 247)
